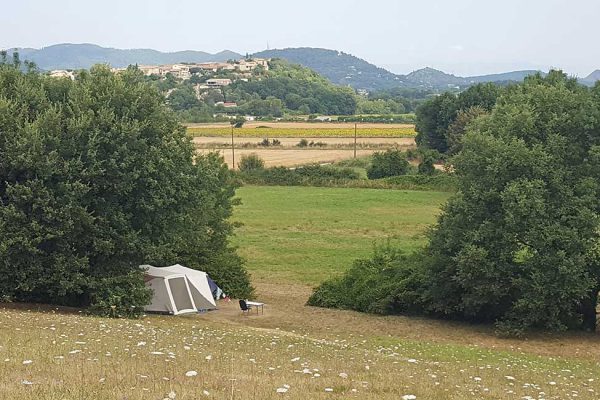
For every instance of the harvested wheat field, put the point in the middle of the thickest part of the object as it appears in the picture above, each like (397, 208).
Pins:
(289, 157)
(293, 141)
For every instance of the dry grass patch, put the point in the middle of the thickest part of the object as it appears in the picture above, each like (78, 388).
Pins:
(64, 356)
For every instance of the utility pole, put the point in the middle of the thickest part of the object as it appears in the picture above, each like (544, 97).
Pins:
(232, 150)
(354, 140)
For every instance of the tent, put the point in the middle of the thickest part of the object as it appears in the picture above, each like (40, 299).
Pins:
(177, 289)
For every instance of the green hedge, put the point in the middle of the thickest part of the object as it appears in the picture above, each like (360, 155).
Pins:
(310, 175)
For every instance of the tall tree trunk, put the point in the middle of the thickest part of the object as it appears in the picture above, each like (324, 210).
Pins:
(588, 309)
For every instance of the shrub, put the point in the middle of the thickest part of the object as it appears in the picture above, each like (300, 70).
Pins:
(426, 166)
(441, 182)
(303, 143)
(390, 163)
(308, 175)
(120, 296)
(251, 162)
(388, 282)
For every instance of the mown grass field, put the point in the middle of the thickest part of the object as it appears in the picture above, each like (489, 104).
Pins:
(305, 235)
(293, 238)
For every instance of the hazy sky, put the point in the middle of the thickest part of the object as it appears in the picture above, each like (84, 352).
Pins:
(459, 36)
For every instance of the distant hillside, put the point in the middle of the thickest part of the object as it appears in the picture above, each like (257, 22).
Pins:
(432, 78)
(77, 56)
(340, 68)
(591, 78)
(515, 76)
(346, 69)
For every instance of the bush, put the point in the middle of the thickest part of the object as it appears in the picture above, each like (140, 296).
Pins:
(389, 282)
(428, 158)
(390, 163)
(302, 143)
(251, 162)
(308, 175)
(442, 182)
(120, 296)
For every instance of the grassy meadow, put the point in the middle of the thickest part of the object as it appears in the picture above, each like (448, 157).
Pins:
(307, 234)
(293, 238)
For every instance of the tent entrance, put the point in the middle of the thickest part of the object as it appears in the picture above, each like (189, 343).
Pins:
(181, 297)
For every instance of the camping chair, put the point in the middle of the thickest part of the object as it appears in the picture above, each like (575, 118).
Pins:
(245, 307)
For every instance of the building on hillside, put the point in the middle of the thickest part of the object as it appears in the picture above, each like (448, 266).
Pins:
(61, 73)
(226, 104)
(251, 64)
(180, 71)
(215, 66)
(150, 70)
(216, 82)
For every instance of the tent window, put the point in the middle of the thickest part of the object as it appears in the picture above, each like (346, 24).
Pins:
(180, 294)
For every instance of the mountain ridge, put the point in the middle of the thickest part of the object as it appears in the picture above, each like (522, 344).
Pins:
(339, 67)
(84, 55)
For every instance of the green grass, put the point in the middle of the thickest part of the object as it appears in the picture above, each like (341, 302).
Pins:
(307, 234)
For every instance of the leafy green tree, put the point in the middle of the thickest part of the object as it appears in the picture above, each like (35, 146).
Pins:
(183, 98)
(251, 162)
(433, 119)
(483, 95)
(392, 162)
(458, 128)
(519, 243)
(428, 158)
(97, 177)
(436, 116)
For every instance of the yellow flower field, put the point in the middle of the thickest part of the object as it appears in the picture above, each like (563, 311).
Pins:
(404, 131)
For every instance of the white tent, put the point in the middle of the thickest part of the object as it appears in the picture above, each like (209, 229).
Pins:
(177, 289)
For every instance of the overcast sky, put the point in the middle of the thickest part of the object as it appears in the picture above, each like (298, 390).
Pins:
(464, 37)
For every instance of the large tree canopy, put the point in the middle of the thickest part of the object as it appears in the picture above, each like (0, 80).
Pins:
(519, 243)
(96, 178)
(435, 118)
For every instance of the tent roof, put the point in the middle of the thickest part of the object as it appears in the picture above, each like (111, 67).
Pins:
(198, 281)
(158, 272)
(180, 269)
